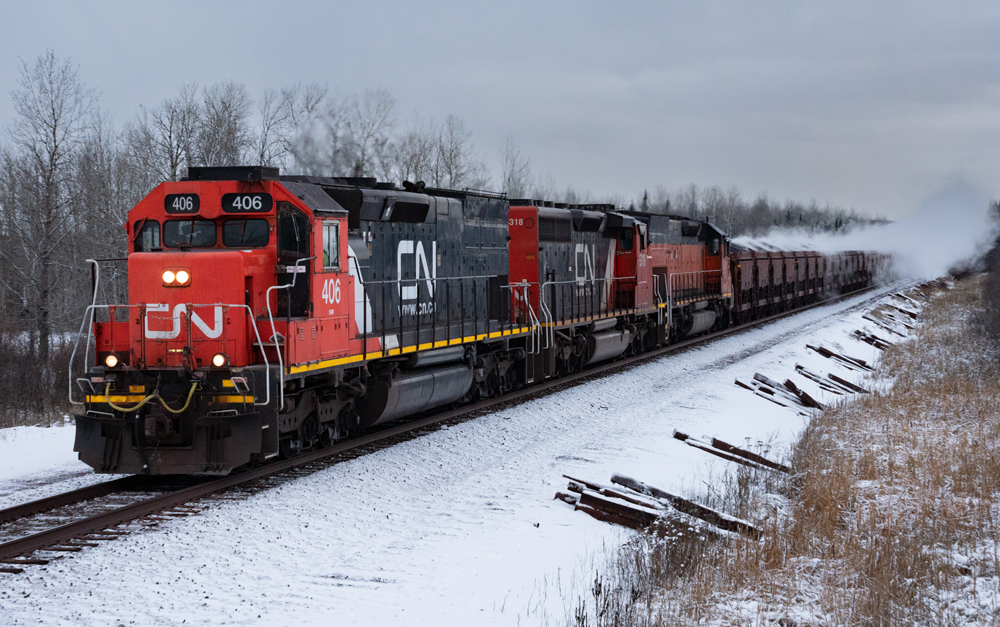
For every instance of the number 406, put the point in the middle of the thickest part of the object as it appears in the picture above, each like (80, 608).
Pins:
(331, 291)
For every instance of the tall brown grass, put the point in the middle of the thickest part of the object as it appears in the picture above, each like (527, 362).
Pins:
(890, 517)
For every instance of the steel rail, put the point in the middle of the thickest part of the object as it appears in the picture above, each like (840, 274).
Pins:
(61, 535)
(16, 512)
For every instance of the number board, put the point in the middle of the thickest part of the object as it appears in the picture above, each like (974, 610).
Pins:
(181, 203)
(247, 203)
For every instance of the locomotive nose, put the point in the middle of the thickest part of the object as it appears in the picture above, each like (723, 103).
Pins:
(191, 308)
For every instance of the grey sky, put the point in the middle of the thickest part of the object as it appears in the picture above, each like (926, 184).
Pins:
(866, 105)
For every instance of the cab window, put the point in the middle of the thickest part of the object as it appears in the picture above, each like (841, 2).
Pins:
(245, 233)
(331, 245)
(189, 233)
(293, 233)
(147, 236)
(627, 239)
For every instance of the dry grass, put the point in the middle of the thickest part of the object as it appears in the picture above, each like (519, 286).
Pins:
(891, 517)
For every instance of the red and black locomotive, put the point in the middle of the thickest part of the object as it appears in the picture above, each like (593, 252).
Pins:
(267, 314)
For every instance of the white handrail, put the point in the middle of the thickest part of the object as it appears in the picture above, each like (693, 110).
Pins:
(670, 291)
(84, 324)
(274, 332)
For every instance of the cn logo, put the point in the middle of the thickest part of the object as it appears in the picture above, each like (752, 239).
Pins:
(585, 257)
(408, 287)
(211, 333)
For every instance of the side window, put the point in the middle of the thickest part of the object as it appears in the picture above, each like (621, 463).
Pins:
(146, 235)
(331, 245)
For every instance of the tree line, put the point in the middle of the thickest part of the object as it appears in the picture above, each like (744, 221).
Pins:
(68, 177)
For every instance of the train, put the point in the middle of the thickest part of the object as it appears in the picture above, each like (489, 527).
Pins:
(269, 314)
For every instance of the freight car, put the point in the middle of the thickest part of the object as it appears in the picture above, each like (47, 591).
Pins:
(267, 314)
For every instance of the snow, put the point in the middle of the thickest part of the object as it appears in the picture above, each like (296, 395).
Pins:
(38, 461)
(456, 526)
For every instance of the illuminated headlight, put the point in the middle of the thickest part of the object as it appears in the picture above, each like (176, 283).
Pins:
(176, 277)
(111, 361)
(219, 360)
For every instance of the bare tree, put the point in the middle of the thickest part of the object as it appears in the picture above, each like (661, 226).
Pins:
(455, 161)
(269, 143)
(107, 183)
(713, 204)
(54, 111)
(544, 187)
(224, 134)
(412, 154)
(515, 169)
(163, 139)
(291, 125)
(319, 144)
(369, 125)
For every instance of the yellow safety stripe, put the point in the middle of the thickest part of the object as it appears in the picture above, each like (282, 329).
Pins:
(329, 363)
(100, 398)
(232, 399)
(135, 399)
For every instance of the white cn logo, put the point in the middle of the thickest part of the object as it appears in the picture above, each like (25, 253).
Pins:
(408, 287)
(210, 332)
(585, 257)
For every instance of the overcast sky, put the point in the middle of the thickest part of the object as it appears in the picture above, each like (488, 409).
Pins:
(868, 105)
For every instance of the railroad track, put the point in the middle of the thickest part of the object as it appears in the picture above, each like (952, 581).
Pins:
(75, 535)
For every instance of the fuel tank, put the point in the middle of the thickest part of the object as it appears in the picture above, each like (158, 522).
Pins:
(601, 346)
(701, 321)
(413, 391)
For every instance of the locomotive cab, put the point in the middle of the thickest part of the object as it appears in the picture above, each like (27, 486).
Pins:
(221, 273)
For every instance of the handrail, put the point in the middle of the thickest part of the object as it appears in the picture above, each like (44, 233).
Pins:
(84, 324)
(399, 283)
(659, 299)
(670, 290)
(608, 307)
(535, 340)
(274, 332)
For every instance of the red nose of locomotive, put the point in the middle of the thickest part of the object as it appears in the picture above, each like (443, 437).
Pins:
(192, 311)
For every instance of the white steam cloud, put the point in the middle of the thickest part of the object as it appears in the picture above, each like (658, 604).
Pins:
(950, 226)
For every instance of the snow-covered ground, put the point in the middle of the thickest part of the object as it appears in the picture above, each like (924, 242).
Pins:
(455, 527)
(36, 462)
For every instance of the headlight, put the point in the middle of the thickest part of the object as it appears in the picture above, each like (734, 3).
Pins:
(111, 361)
(219, 360)
(176, 277)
